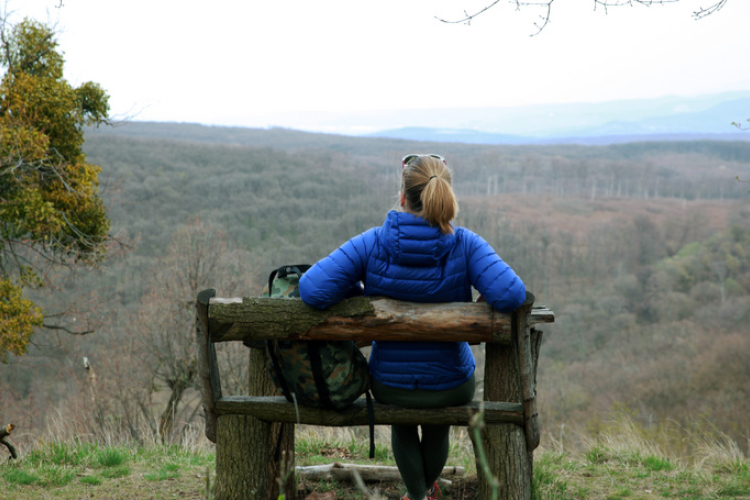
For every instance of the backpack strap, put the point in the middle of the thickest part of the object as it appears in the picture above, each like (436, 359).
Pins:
(277, 453)
(313, 351)
(371, 422)
(271, 349)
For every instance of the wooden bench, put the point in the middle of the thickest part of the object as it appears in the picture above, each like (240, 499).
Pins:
(246, 428)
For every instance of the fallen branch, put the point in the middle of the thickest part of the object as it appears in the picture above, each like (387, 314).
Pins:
(368, 473)
(4, 433)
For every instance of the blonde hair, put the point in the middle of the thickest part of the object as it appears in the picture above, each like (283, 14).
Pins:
(427, 185)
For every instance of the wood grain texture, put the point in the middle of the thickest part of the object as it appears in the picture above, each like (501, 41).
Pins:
(361, 318)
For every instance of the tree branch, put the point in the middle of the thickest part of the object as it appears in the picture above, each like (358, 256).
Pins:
(739, 125)
(545, 19)
(703, 12)
(469, 17)
(67, 330)
(547, 6)
(4, 433)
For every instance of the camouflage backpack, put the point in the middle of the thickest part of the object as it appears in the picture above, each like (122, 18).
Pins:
(321, 374)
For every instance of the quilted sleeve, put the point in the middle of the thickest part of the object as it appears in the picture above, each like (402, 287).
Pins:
(491, 276)
(333, 278)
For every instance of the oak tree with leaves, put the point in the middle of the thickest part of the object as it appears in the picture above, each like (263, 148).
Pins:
(50, 211)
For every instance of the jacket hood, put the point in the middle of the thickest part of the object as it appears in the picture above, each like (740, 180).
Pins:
(410, 240)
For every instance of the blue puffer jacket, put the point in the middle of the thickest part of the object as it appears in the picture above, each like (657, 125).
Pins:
(406, 259)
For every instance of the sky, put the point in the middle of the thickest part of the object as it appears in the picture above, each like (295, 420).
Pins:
(278, 63)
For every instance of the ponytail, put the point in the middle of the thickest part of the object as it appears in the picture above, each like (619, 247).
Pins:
(427, 187)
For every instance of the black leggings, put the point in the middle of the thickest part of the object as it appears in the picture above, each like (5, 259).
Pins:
(420, 461)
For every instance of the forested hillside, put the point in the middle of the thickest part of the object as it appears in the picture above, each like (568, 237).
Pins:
(642, 250)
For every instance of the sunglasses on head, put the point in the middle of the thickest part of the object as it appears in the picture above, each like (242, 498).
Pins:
(406, 160)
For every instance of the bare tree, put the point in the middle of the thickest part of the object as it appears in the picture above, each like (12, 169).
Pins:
(545, 7)
(197, 258)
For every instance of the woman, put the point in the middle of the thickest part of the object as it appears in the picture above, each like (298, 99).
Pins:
(418, 255)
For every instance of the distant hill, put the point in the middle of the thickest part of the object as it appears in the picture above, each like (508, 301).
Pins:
(707, 117)
(591, 124)
(478, 137)
(451, 135)
(681, 119)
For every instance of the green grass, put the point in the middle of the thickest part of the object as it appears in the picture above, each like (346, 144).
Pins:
(115, 472)
(91, 480)
(167, 471)
(615, 466)
(547, 478)
(77, 470)
(55, 476)
(657, 464)
(21, 477)
(596, 456)
(63, 454)
(623, 464)
(111, 457)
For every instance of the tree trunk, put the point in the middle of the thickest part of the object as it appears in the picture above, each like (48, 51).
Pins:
(508, 456)
(240, 455)
(248, 465)
(166, 420)
(280, 436)
(504, 444)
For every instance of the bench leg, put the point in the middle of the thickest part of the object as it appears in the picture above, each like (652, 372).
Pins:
(245, 465)
(509, 460)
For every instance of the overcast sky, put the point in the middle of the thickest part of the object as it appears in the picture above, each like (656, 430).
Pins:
(258, 63)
